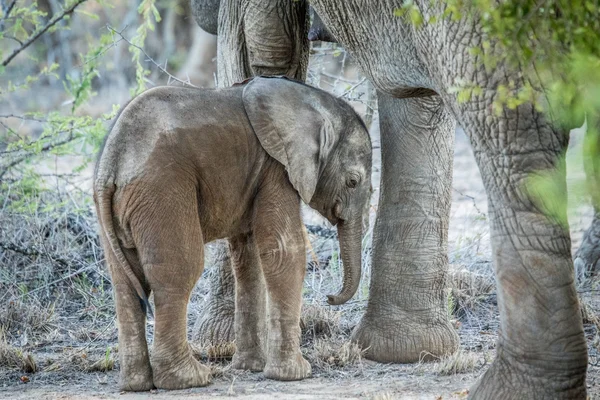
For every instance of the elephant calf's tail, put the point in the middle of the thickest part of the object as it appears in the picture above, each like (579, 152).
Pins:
(104, 207)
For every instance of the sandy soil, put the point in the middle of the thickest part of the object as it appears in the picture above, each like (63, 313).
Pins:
(392, 385)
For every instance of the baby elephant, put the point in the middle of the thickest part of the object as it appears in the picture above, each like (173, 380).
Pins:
(182, 167)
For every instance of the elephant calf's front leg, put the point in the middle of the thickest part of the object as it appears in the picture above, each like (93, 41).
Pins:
(278, 232)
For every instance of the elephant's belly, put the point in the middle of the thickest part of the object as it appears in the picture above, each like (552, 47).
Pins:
(221, 225)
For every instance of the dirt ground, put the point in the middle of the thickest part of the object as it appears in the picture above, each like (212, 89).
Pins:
(476, 321)
(394, 383)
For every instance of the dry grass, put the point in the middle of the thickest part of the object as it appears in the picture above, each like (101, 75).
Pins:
(383, 396)
(13, 358)
(31, 317)
(461, 362)
(589, 315)
(213, 352)
(319, 321)
(327, 353)
(467, 288)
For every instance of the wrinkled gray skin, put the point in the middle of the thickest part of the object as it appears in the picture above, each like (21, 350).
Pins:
(541, 348)
(318, 30)
(159, 195)
(242, 55)
(204, 12)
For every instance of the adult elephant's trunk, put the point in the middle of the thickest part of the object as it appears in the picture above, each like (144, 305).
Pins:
(350, 237)
(206, 13)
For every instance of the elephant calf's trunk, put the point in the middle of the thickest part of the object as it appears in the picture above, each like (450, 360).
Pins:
(350, 237)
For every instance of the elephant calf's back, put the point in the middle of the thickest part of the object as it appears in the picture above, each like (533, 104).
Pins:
(173, 116)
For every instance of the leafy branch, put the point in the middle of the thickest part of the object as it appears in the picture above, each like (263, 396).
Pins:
(37, 34)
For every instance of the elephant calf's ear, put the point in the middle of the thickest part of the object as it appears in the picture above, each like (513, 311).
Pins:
(290, 128)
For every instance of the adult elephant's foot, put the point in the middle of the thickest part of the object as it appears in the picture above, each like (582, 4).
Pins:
(135, 374)
(392, 340)
(509, 379)
(291, 367)
(249, 361)
(215, 325)
(179, 374)
(587, 258)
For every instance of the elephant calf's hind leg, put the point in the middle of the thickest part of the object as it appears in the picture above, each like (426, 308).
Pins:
(172, 254)
(135, 371)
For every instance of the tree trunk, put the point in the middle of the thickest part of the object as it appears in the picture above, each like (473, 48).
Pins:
(406, 317)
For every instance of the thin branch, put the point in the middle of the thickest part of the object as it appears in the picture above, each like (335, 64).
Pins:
(332, 76)
(6, 9)
(353, 87)
(473, 200)
(36, 35)
(13, 38)
(150, 59)
(45, 148)
(23, 117)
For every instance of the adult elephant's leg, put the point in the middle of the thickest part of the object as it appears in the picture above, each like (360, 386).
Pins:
(406, 317)
(541, 351)
(215, 324)
(587, 258)
(255, 37)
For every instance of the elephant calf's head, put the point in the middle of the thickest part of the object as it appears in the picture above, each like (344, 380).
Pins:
(326, 150)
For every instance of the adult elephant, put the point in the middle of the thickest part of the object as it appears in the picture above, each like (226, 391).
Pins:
(541, 349)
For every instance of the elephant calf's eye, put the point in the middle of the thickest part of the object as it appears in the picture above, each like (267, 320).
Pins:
(352, 182)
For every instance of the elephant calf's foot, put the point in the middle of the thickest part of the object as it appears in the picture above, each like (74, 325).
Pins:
(136, 375)
(506, 381)
(404, 342)
(187, 373)
(289, 368)
(248, 360)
